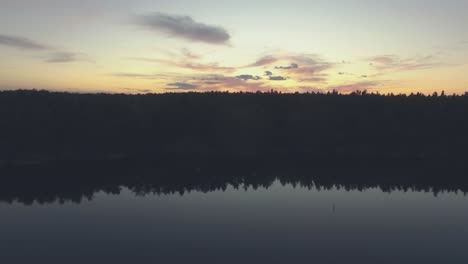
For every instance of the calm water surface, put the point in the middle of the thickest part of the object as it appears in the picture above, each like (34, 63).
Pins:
(279, 224)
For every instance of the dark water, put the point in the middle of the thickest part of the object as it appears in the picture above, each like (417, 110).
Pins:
(233, 221)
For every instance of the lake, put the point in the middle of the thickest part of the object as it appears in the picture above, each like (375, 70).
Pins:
(257, 219)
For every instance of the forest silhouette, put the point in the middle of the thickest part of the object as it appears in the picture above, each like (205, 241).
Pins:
(41, 126)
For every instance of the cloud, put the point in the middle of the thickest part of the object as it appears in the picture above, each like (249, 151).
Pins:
(189, 65)
(395, 63)
(210, 77)
(309, 64)
(204, 67)
(247, 77)
(189, 55)
(64, 57)
(136, 75)
(303, 67)
(307, 59)
(278, 78)
(184, 27)
(384, 59)
(314, 79)
(313, 69)
(263, 61)
(216, 82)
(181, 86)
(21, 43)
(57, 56)
(290, 67)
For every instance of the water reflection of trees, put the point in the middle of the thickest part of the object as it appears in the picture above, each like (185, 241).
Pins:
(81, 181)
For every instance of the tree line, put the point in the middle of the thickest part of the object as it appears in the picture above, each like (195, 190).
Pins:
(39, 126)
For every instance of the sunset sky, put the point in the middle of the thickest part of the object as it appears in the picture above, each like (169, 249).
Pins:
(143, 46)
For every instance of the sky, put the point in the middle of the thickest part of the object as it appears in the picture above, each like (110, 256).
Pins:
(157, 46)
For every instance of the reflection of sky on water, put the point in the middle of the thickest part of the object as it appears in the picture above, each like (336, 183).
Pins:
(277, 225)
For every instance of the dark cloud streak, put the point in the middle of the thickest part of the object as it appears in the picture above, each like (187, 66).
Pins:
(290, 67)
(278, 78)
(63, 57)
(314, 79)
(55, 56)
(181, 86)
(21, 43)
(247, 77)
(184, 27)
